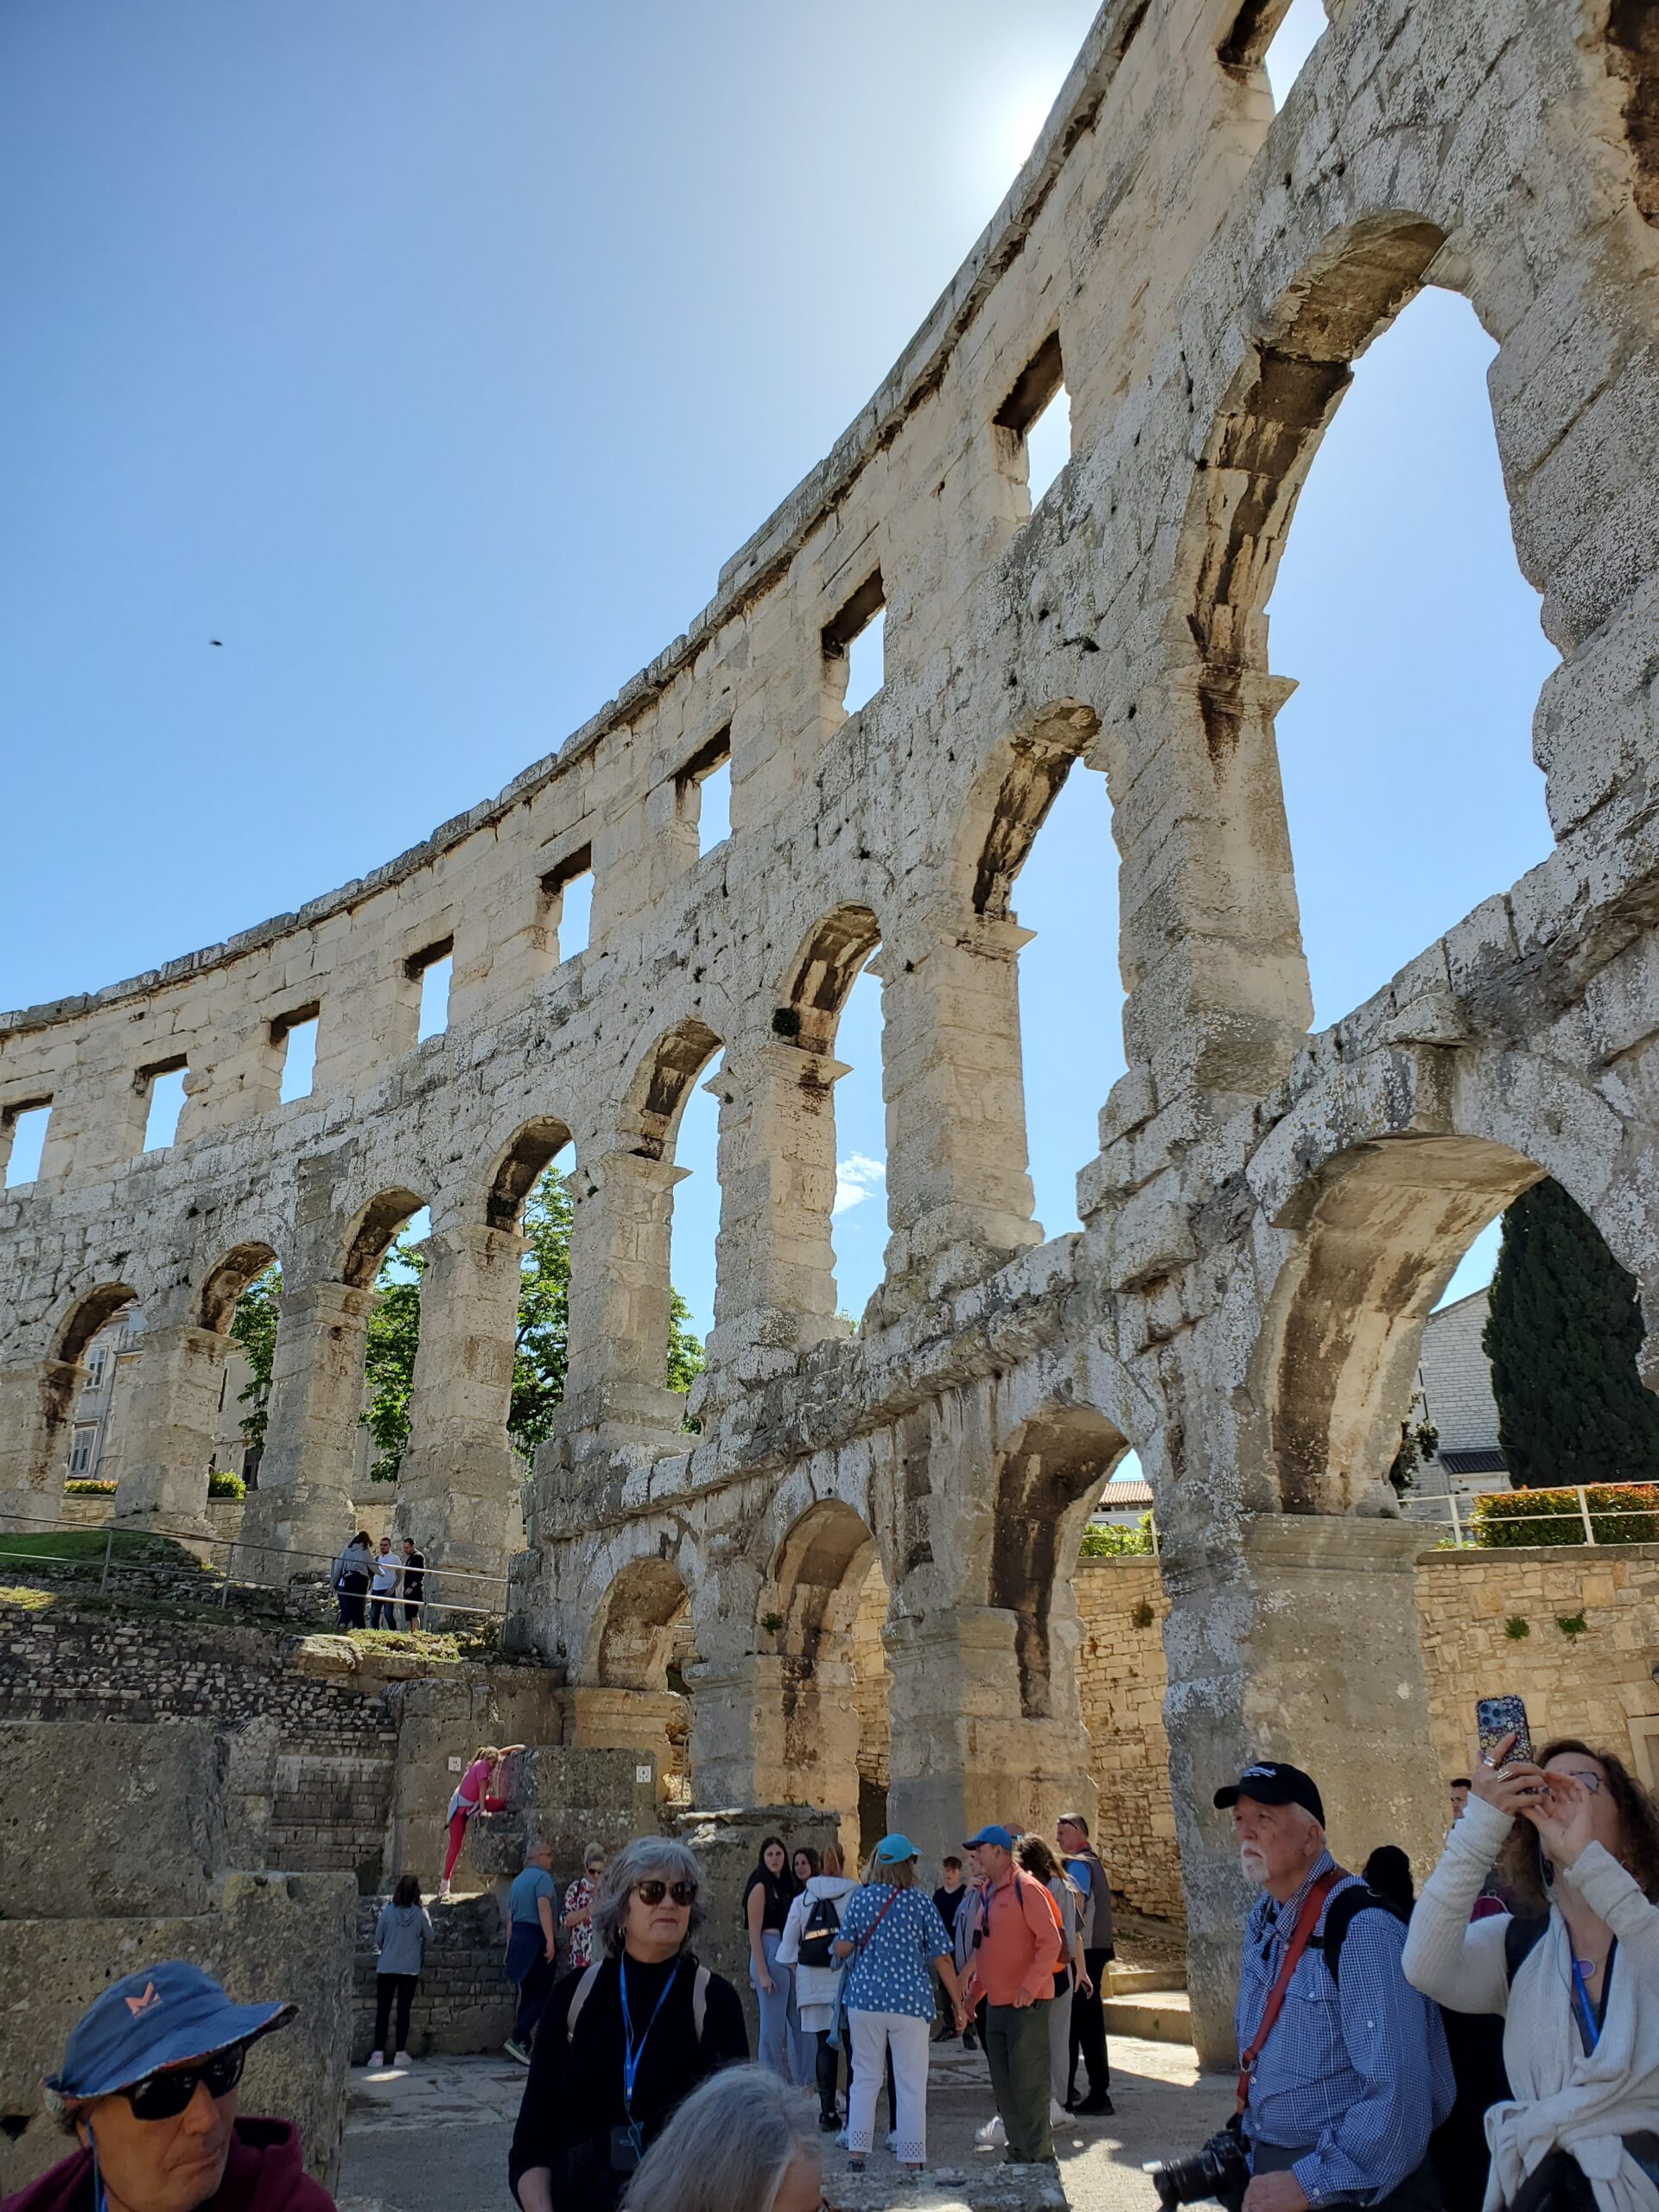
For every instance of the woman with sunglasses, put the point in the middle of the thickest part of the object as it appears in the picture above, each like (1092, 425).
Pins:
(147, 2090)
(622, 2043)
(1575, 1974)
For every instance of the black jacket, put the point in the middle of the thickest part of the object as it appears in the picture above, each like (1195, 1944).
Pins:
(573, 2095)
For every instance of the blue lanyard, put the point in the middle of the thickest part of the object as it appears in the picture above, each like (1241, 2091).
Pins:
(632, 2052)
(1586, 2011)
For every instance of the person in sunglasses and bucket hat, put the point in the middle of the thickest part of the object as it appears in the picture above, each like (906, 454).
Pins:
(148, 2089)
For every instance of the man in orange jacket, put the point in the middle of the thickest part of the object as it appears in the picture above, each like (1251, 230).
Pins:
(1013, 1967)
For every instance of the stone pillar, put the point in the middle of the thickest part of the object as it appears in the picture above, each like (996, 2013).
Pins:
(304, 1501)
(459, 1483)
(618, 1356)
(775, 1276)
(1297, 1641)
(725, 1694)
(35, 1396)
(169, 1445)
(963, 1752)
(959, 1199)
(1208, 927)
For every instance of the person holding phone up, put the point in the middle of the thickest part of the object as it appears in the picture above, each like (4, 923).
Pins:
(1575, 1974)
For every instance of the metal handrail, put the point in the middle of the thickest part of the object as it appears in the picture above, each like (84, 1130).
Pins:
(231, 1546)
(1445, 1506)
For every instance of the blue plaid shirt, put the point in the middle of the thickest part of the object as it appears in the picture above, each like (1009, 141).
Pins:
(1357, 2072)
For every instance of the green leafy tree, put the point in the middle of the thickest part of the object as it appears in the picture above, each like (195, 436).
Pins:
(541, 1344)
(1562, 1337)
(253, 1327)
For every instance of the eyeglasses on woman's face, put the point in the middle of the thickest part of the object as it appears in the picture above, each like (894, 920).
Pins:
(1592, 1781)
(653, 1892)
(165, 2096)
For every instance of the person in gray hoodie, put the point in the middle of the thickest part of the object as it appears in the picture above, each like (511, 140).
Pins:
(401, 1935)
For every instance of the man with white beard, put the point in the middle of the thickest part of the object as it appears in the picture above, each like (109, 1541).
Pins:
(1344, 2067)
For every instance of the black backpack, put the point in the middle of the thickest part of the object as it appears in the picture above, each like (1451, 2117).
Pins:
(1345, 1908)
(818, 1935)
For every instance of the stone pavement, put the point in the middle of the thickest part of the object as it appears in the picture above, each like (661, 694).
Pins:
(435, 2140)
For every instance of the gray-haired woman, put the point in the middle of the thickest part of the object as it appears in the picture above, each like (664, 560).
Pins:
(622, 2043)
(739, 2145)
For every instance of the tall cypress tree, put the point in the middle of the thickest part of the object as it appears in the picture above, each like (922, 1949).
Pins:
(1562, 1337)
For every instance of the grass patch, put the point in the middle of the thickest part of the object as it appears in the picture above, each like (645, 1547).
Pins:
(85, 1548)
(25, 1600)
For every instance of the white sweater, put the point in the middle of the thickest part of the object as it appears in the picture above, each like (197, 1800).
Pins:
(1562, 2097)
(813, 1984)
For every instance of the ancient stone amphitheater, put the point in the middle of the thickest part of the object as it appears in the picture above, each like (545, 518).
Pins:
(1271, 1214)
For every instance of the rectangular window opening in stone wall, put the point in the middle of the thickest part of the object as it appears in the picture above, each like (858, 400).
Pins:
(854, 644)
(433, 970)
(163, 1084)
(1036, 421)
(704, 790)
(23, 1141)
(294, 1036)
(567, 900)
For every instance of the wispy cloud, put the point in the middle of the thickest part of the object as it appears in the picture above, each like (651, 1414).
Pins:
(857, 1179)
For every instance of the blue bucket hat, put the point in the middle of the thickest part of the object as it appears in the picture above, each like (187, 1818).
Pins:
(894, 1851)
(164, 2015)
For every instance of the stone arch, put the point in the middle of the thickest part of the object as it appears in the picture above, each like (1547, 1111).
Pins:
(93, 1310)
(820, 974)
(656, 1098)
(522, 1160)
(1262, 442)
(371, 1231)
(632, 1641)
(1049, 1476)
(1383, 1176)
(1010, 801)
(227, 1279)
(821, 1610)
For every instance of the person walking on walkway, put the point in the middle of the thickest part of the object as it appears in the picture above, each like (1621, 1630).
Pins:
(1576, 1978)
(1344, 2072)
(621, 2044)
(737, 2145)
(401, 1935)
(349, 1579)
(1033, 1857)
(1087, 2038)
(1013, 1967)
(892, 1939)
(532, 1943)
(807, 1948)
(385, 1575)
(947, 1902)
(767, 1895)
(147, 2089)
(578, 1921)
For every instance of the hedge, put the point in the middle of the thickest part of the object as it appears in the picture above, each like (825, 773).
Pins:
(78, 1486)
(222, 1484)
(1105, 1540)
(1620, 1513)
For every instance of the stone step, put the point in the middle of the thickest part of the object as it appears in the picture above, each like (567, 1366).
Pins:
(1155, 2015)
(1132, 1981)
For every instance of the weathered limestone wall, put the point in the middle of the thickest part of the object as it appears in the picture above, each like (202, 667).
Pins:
(1272, 1213)
(95, 1883)
(1598, 1683)
(1122, 1677)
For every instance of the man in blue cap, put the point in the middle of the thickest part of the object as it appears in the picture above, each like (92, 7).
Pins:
(1013, 1967)
(148, 2089)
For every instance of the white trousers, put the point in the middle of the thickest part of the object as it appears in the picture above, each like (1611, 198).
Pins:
(874, 2034)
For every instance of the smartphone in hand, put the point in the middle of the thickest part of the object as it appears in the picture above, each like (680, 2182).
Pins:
(1496, 1718)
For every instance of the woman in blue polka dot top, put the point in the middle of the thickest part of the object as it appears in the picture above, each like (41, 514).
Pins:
(891, 1935)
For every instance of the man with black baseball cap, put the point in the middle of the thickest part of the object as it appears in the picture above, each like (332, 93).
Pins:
(1344, 2073)
(147, 2088)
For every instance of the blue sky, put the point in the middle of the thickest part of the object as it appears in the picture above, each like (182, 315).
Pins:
(433, 358)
